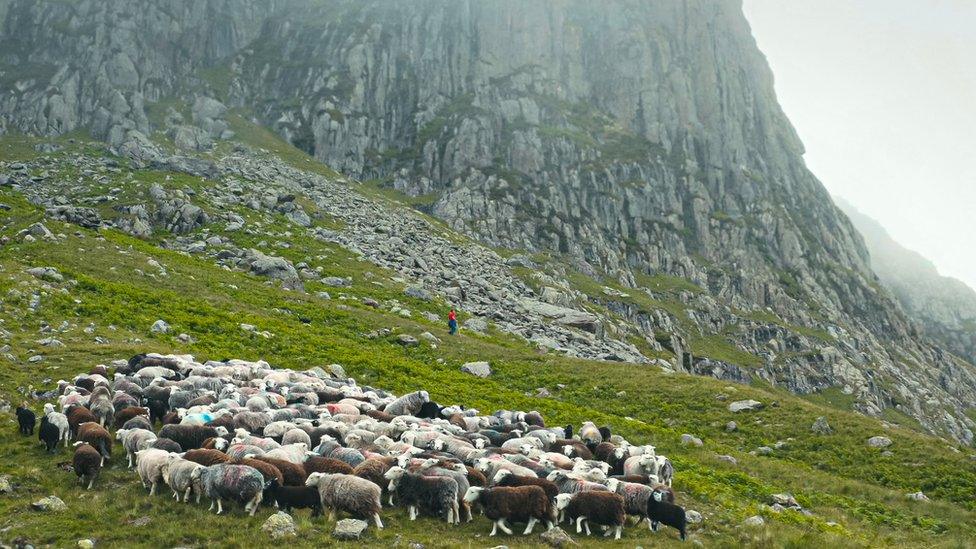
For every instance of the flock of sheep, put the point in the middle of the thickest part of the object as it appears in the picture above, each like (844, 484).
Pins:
(242, 431)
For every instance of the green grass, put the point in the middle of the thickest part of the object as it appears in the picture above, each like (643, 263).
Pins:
(836, 476)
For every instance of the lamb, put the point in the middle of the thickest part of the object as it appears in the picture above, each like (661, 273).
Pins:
(206, 457)
(435, 495)
(295, 497)
(665, 470)
(149, 465)
(408, 404)
(26, 419)
(659, 510)
(602, 508)
(356, 496)
(572, 449)
(76, 416)
(180, 475)
(49, 434)
(133, 441)
(87, 463)
(190, 437)
(98, 437)
(102, 409)
(228, 481)
(319, 464)
(527, 504)
(58, 420)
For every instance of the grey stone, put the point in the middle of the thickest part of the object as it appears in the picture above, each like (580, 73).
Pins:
(336, 281)
(728, 459)
(279, 525)
(348, 529)
(693, 517)
(820, 426)
(478, 325)
(918, 496)
(159, 327)
(691, 440)
(557, 537)
(479, 369)
(407, 340)
(418, 292)
(745, 406)
(879, 442)
(754, 521)
(5, 485)
(731, 426)
(46, 273)
(50, 504)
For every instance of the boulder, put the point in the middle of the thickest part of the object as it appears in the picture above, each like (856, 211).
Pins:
(418, 292)
(46, 273)
(557, 537)
(407, 340)
(821, 427)
(50, 504)
(479, 369)
(691, 440)
(693, 517)
(478, 325)
(879, 442)
(731, 426)
(745, 406)
(275, 268)
(159, 327)
(279, 525)
(918, 496)
(755, 521)
(347, 529)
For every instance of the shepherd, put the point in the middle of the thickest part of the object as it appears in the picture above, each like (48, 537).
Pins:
(452, 322)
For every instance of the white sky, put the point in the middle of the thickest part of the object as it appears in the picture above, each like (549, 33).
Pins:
(883, 95)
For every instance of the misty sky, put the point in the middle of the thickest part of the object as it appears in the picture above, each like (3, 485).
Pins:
(883, 94)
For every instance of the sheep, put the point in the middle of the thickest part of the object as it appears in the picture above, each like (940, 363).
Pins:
(228, 481)
(98, 437)
(373, 469)
(435, 495)
(26, 419)
(491, 466)
(292, 474)
(268, 471)
(122, 416)
(87, 463)
(571, 485)
(296, 435)
(190, 437)
(527, 504)
(319, 464)
(452, 470)
(572, 449)
(252, 422)
(76, 416)
(59, 421)
(238, 451)
(643, 464)
(263, 443)
(408, 404)
(180, 475)
(665, 470)
(215, 443)
(49, 434)
(356, 496)
(134, 440)
(637, 479)
(167, 444)
(149, 465)
(138, 422)
(206, 457)
(602, 508)
(103, 410)
(298, 497)
(660, 511)
(295, 453)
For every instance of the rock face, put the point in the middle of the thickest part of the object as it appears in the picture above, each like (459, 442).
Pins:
(636, 140)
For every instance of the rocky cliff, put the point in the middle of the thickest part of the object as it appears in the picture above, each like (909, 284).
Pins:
(630, 143)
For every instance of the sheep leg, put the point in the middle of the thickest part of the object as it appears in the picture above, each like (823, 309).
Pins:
(579, 525)
(379, 523)
(220, 506)
(457, 513)
(530, 526)
(467, 511)
(450, 515)
(586, 524)
(649, 521)
(176, 495)
(549, 525)
(211, 505)
(501, 524)
(254, 503)
(91, 482)
(617, 533)
(152, 489)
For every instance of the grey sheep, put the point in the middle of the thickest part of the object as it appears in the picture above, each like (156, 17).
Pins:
(180, 475)
(242, 483)
(356, 496)
(133, 441)
(433, 494)
(408, 404)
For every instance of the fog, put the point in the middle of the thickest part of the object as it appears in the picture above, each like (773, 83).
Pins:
(883, 94)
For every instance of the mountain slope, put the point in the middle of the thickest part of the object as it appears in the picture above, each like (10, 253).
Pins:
(631, 144)
(943, 307)
(113, 287)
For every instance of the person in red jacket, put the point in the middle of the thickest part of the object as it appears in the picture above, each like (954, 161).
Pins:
(452, 322)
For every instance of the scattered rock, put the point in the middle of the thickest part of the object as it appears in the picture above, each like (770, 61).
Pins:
(820, 426)
(693, 517)
(407, 340)
(46, 273)
(691, 440)
(50, 504)
(557, 537)
(754, 521)
(918, 496)
(418, 292)
(879, 442)
(745, 406)
(785, 500)
(763, 450)
(336, 281)
(731, 426)
(337, 371)
(35, 359)
(480, 369)
(5, 486)
(86, 544)
(347, 529)
(279, 525)
(478, 325)
(728, 459)
(159, 327)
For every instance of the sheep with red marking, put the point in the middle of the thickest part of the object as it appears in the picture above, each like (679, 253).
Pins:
(182, 477)
(570, 484)
(600, 508)
(235, 482)
(527, 504)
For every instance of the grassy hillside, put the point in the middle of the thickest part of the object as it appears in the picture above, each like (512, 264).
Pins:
(111, 294)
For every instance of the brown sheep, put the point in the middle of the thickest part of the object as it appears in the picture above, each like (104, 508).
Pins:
(76, 416)
(292, 474)
(98, 437)
(373, 470)
(576, 448)
(476, 477)
(267, 470)
(601, 508)
(379, 415)
(319, 464)
(206, 457)
(128, 413)
(527, 504)
(636, 479)
(504, 477)
(87, 463)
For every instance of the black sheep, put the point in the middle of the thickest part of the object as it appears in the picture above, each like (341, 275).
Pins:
(295, 497)
(49, 434)
(430, 410)
(660, 511)
(605, 432)
(26, 420)
(167, 444)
